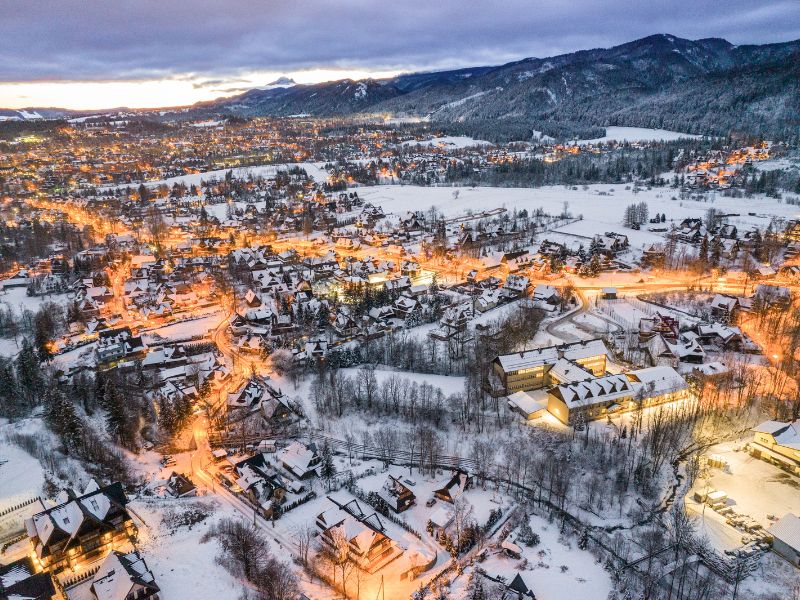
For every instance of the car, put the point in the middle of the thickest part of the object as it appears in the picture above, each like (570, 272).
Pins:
(430, 502)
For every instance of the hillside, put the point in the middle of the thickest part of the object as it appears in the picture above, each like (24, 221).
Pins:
(702, 86)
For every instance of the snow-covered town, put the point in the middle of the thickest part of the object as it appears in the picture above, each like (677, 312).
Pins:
(380, 352)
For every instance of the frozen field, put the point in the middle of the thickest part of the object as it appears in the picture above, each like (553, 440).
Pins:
(456, 141)
(639, 134)
(601, 205)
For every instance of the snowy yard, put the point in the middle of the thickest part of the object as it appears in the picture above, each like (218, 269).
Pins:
(754, 487)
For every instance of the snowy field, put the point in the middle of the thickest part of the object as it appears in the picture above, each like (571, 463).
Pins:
(453, 141)
(187, 329)
(183, 567)
(639, 134)
(314, 170)
(21, 475)
(603, 205)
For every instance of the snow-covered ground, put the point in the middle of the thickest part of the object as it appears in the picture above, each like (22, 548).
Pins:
(21, 475)
(314, 170)
(453, 141)
(639, 134)
(755, 488)
(601, 205)
(183, 566)
(543, 567)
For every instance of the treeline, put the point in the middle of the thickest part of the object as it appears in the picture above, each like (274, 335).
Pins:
(618, 166)
(22, 244)
(511, 130)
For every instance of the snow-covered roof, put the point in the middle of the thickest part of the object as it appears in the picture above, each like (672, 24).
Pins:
(787, 530)
(601, 389)
(550, 355)
(661, 379)
(119, 573)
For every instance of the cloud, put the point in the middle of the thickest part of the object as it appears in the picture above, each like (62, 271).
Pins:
(218, 42)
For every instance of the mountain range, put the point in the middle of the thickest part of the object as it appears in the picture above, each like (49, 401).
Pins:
(707, 86)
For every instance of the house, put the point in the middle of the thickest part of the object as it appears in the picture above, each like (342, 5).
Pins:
(261, 483)
(364, 534)
(124, 577)
(300, 460)
(778, 443)
(608, 293)
(397, 494)
(405, 307)
(664, 325)
(724, 337)
(663, 351)
(458, 483)
(113, 344)
(723, 307)
(180, 486)
(546, 295)
(20, 581)
(80, 527)
(786, 538)
(519, 589)
(515, 286)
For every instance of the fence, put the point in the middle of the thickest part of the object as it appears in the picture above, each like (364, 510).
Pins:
(70, 582)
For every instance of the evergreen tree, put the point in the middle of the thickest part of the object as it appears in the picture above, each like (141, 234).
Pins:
(703, 253)
(62, 418)
(327, 468)
(29, 375)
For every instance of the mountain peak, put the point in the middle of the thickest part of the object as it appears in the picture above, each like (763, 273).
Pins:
(283, 81)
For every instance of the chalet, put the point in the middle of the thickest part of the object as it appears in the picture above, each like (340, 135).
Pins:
(659, 324)
(457, 484)
(180, 486)
(546, 295)
(114, 344)
(653, 257)
(124, 577)
(779, 443)
(20, 580)
(724, 307)
(261, 483)
(344, 325)
(610, 244)
(300, 460)
(662, 350)
(488, 300)
(368, 545)
(548, 248)
(724, 337)
(405, 307)
(397, 494)
(80, 528)
(515, 286)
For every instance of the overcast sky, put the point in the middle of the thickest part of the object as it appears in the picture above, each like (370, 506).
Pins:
(89, 53)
